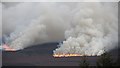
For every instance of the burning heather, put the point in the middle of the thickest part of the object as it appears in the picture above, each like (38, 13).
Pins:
(66, 55)
(5, 47)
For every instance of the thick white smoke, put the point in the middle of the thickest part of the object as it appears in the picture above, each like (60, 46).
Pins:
(0, 21)
(34, 23)
(87, 27)
(94, 28)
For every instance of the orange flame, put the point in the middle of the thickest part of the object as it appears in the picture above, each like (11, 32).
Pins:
(66, 55)
(7, 48)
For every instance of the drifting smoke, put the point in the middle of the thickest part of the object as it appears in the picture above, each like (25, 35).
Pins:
(87, 27)
(0, 21)
(94, 28)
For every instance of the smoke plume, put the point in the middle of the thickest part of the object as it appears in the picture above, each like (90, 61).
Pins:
(87, 28)
(94, 28)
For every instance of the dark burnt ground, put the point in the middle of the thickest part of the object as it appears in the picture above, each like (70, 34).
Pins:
(41, 55)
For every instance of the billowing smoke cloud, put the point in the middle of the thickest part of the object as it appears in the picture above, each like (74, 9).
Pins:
(94, 28)
(28, 24)
(0, 20)
(87, 27)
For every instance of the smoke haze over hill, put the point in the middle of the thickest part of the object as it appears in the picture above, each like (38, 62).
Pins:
(87, 27)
